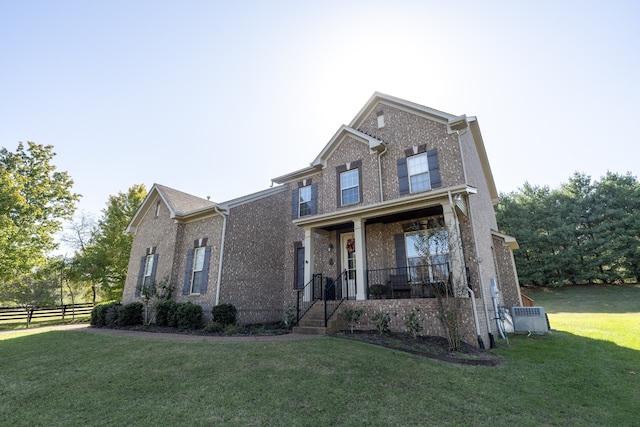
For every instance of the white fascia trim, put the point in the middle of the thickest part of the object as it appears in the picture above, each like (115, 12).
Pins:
(144, 207)
(373, 143)
(251, 197)
(411, 107)
(508, 240)
(297, 175)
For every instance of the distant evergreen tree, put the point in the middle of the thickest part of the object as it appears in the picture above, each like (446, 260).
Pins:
(583, 232)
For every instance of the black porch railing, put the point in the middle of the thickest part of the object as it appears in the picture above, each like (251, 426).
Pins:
(418, 281)
(322, 289)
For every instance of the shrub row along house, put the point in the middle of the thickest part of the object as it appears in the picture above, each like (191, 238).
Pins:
(394, 215)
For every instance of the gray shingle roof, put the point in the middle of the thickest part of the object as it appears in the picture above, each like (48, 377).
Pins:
(182, 203)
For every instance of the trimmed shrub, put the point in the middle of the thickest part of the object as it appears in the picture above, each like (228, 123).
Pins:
(105, 314)
(130, 314)
(189, 315)
(166, 314)
(225, 314)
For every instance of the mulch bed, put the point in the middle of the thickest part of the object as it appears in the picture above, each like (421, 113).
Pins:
(425, 346)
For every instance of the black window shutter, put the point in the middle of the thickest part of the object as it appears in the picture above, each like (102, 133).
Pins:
(313, 204)
(299, 268)
(295, 202)
(401, 251)
(434, 169)
(140, 276)
(205, 270)
(403, 176)
(186, 287)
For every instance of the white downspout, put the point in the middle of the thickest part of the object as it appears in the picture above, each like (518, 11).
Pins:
(224, 229)
(473, 295)
(475, 239)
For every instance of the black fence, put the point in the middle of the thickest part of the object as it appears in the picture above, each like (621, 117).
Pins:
(27, 314)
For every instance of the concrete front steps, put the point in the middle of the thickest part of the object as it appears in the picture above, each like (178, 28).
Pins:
(312, 323)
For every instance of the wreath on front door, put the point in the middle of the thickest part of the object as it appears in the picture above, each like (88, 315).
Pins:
(351, 246)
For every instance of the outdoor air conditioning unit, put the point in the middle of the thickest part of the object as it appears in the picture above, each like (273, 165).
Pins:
(529, 319)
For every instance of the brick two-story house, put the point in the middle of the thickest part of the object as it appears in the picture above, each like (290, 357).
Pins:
(395, 212)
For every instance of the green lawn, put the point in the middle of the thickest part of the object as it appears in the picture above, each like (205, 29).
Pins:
(78, 378)
(609, 313)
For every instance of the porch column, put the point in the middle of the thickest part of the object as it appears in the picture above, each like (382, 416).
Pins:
(361, 263)
(309, 246)
(458, 272)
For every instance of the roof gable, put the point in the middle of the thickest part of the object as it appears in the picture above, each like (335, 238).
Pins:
(178, 203)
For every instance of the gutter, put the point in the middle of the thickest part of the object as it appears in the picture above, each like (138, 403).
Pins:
(221, 256)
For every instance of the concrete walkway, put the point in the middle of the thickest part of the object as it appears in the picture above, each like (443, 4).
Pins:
(85, 327)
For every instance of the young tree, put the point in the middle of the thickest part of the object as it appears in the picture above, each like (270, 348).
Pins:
(35, 198)
(105, 260)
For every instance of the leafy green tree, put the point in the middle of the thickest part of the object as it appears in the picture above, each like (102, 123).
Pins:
(105, 259)
(34, 200)
(583, 232)
(37, 288)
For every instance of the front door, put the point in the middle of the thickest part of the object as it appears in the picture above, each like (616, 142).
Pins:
(348, 245)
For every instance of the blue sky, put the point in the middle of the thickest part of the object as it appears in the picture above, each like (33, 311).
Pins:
(216, 98)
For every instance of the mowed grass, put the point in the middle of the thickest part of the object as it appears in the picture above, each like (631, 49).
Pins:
(78, 378)
(603, 312)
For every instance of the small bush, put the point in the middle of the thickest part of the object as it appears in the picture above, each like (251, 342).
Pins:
(130, 314)
(232, 329)
(214, 327)
(290, 317)
(189, 315)
(105, 314)
(352, 317)
(412, 323)
(166, 314)
(224, 314)
(381, 320)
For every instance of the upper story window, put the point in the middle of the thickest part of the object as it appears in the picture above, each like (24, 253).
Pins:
(418, 169)
(349, 183)
(304, 202)
(304, 199)
(350, 187)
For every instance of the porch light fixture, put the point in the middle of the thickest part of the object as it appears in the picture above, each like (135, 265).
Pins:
(330, 247)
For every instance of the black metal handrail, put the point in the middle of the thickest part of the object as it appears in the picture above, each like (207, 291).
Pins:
(334, 295)
(331, 292)
(418, 281)
(314, 289)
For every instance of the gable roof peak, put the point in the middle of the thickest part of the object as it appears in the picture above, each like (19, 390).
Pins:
(179, 202)
(379, 97)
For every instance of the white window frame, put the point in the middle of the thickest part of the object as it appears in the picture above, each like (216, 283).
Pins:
(304, 202)
(423, 267)
(350, 187)
(412, 172)
(197, 267)
(147, 273)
